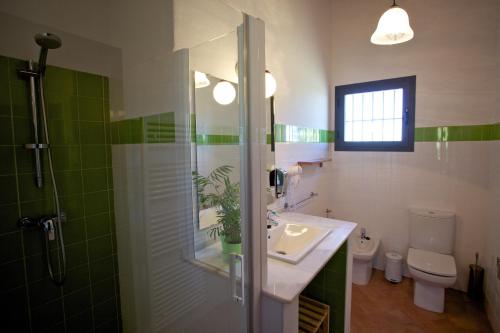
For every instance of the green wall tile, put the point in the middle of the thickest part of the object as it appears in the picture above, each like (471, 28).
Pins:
(98, 225)
(23, 132)
(152, 127)
(62, 107)
(103, 290)
(36, 267)
(74, 231)
(43, 291)
(8, 197)
(20, 101)
(4, 87)
(28, 190)
(96, 202)
(7, 156)
(69, 182)
(99, 247)
(66, 133)
(90, 85)
(105, 85)
(102, 269)
(90, 109)
(76, 279)
(80, 323)
(6, 131)
(110, 326)
(60, 81)
(124, 132)
(76, 302)
(15, 311)
(9, 214)
(94, 156)
(10, 247)
(66, 158)
(14, 66)
(10, 273)
(32, 241)
(105, 312)
(47, 316)
(92, 132)
(95, 180)
(72, 206)
(136, 130)
(167, 127)
(76, 256)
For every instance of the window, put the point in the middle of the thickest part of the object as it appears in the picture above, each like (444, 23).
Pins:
(376, 116)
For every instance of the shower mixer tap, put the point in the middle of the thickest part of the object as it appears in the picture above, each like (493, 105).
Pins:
(46, 223)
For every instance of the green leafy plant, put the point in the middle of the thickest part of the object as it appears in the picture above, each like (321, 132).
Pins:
(216, 190)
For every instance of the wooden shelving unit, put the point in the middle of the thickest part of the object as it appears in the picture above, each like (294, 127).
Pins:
(313, 316)
(318, 163)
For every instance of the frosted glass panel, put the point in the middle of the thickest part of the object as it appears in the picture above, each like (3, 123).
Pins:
(374, 116)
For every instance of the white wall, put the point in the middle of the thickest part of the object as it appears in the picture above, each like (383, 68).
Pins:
(492, 243)
(297, 54)
(454, 58)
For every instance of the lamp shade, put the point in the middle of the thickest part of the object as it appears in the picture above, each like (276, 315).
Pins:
(270, 83)
(224, 93)
(201, 80)
(393, 28)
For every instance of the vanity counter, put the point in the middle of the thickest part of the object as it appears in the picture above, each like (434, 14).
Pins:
(286, 281)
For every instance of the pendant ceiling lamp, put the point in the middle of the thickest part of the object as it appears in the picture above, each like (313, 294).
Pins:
(393, 27)
(201, 80)
(270, 83)
(224, 93)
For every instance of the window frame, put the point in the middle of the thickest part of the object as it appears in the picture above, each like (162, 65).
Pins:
(407, 143)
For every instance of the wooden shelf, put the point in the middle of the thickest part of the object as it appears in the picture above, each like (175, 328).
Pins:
(318, 163)
(313, 316)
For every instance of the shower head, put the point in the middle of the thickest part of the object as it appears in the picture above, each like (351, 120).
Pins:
(47, 41)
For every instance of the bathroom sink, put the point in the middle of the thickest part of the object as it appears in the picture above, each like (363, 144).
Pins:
(290, 242)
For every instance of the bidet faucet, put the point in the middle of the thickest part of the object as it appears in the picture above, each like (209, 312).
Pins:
(271, 215)
(363, 234)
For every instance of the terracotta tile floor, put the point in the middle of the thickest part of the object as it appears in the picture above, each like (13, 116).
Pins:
(384, 307)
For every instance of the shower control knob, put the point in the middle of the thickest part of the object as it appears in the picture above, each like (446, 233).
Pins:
(26, 222)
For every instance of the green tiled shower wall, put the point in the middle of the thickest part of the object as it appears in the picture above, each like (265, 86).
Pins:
(79, 126)
(329, 286)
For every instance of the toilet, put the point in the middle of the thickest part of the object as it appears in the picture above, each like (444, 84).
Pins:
(430, 260)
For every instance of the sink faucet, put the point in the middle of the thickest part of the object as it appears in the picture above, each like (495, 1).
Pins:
(363, 234)
(271, 218)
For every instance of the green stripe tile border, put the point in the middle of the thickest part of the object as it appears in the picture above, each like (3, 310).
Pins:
(161, 129)
(458, 133)
(215, 139)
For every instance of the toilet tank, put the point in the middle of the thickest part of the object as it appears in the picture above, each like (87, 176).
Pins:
(432, 230)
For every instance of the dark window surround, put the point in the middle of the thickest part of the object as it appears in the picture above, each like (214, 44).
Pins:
(407, 143)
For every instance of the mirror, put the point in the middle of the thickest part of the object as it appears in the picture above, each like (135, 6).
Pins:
(217, 140)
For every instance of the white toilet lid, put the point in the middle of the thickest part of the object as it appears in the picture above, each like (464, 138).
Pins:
(432, 263)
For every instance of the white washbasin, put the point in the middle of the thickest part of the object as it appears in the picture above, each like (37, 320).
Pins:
(290, 242)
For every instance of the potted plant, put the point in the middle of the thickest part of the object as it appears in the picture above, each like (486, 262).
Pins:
(216, 190)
